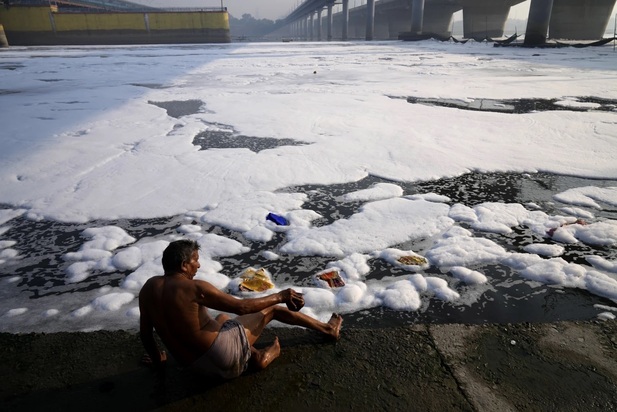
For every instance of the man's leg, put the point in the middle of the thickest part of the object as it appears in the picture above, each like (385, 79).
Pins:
(261, 358)
(221, 318)
(204, 317)
(255, 323)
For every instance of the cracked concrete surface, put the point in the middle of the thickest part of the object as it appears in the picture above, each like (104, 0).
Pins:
(452, 343)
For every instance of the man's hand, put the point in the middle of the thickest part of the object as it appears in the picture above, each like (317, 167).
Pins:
(293, 299)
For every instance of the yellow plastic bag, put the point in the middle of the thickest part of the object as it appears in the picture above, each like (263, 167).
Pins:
(255, 280)
(412, 260)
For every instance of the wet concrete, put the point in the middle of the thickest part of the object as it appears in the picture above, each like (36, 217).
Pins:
(563, 366)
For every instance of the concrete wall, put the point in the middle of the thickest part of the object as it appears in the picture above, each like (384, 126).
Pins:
(38, 25)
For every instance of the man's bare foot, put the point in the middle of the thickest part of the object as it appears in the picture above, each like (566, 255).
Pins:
(275, 348)
(334, 324)
(262, 358)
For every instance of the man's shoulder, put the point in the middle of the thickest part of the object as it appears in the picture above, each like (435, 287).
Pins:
(204, 287)
(200, 284)
(154, 279)
(153, 282)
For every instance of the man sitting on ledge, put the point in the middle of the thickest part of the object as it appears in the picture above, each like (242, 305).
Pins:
(176, 306)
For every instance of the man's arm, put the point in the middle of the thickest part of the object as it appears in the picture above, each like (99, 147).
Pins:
(146, 330)
(211, 297)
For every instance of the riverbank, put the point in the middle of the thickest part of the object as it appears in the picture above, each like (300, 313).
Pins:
(557, 366)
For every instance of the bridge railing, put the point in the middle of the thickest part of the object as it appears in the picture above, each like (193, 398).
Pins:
(189, 9)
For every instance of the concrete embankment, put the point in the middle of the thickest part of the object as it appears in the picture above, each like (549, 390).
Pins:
(552, 366)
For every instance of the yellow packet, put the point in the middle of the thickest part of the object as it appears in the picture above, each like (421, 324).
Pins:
(255, 280)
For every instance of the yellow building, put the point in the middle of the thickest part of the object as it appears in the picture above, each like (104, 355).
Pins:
(58, 23)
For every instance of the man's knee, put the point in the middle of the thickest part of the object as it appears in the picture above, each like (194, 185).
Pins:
(268, 313)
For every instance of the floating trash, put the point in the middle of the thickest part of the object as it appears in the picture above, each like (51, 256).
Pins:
(412, 260)
(330, 277)
(278, 219)
(255, 280)
(551, 232)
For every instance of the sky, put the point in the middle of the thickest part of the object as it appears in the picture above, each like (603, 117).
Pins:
(100, 139)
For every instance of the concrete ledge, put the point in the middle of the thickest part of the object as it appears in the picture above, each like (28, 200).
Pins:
(559, 366)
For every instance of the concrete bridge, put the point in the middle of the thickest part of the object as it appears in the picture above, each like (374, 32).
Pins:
(387, 19)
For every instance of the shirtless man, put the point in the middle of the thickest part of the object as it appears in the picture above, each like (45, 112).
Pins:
(176, 306)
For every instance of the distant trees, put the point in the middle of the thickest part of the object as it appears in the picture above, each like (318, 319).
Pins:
(249, 28)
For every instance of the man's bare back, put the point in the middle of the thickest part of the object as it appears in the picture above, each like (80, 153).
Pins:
(176, 306)
(187, 330)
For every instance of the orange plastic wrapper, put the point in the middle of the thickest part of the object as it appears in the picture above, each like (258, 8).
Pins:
(332, 278)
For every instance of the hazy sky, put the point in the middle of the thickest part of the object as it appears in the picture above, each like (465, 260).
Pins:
(276, 9)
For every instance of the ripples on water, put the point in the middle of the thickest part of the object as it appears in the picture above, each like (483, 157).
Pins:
(506, 298)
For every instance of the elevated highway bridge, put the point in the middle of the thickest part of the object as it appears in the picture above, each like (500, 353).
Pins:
(387, 19)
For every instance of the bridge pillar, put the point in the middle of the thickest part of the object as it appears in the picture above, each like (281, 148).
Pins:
(438, 19)
(370, 19)
(357, 25)
(538, 21)
(417, 16)
(319, 25)
(399, 21)
(482, 19)
(345, 28)
(311, 27)
(329, 22)
(580, 19)
(381, 26)
(300, 29)
(303, 29)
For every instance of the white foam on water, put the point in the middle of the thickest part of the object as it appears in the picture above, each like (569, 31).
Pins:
(377, 192)
(109, 153)
(544, 249)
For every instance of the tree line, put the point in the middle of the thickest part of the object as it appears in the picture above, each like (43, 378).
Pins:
(250, 28)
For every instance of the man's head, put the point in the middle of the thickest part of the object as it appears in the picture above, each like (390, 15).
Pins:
(177, 253)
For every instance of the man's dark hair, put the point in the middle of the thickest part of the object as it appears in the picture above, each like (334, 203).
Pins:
(177, 253)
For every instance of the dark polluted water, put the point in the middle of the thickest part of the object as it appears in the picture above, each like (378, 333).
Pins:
(219, 136)
(518, 106)
(506, 298)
